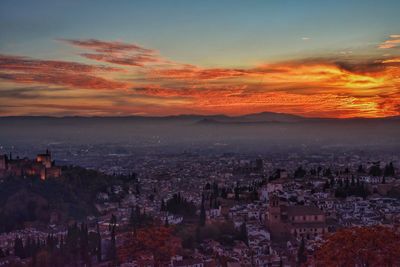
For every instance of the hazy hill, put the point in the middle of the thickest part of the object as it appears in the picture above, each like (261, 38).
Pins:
(251, 132)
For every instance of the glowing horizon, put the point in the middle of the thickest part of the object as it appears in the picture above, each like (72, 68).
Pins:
(92, 74)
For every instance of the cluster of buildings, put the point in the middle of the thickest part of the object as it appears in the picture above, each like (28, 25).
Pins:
(42, 166)
(288, 211)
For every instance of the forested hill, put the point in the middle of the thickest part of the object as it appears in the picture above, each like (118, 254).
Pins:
(33, 201)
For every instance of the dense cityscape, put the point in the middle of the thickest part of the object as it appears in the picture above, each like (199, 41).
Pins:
(196, 209)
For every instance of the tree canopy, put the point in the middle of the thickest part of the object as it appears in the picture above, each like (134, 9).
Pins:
(360, 246)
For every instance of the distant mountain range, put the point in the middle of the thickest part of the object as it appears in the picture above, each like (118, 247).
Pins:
(271, 117)
(256, 118)
(264, 117)
(252, 132)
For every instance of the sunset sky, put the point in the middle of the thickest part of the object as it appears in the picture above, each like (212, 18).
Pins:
(114, 58)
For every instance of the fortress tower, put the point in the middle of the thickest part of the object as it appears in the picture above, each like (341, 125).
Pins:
(45, 159)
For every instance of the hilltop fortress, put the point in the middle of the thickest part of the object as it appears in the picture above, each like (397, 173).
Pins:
(42, 166)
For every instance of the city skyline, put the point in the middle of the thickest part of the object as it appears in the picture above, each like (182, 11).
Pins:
(337, 59)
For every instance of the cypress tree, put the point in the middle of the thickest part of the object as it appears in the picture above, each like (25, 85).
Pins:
(301, 253)
(202, 221)
(113, 247)
(243, 233)
(163, 205)
(19, 250)
(98, 251)
(166, 224)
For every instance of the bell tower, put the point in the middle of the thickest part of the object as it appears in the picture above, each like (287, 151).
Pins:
(274, 211)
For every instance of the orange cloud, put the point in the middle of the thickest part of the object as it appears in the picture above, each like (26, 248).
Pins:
(193, 72)
(119, 53)
(317, 87)
(106, 46)
(64, 79)
(242, 100)
(391, 60)
(394, 41)
(135, 60)
(59, 73)
(205, 91)
(311, 87)
(88, 108)
(18, 63)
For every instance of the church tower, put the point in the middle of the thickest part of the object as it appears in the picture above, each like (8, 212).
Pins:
(274, 212)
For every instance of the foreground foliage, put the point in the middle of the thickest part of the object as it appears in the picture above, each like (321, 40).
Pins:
(360, 246)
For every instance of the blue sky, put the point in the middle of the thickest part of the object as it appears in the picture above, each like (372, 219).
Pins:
(201, 32)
